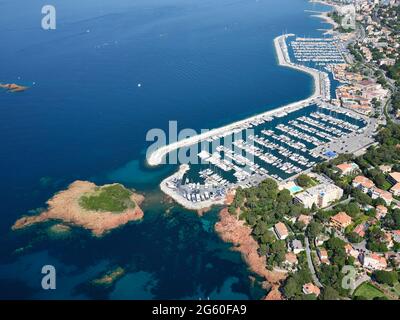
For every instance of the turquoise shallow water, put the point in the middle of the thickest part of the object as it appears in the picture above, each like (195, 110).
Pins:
(202, 63)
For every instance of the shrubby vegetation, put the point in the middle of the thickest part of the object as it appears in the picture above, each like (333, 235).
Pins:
(262, 207)
(114, 198)
(305, 181)
(386, 277)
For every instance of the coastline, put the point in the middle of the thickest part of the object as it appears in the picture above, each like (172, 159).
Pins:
(156, 157)
(283, 59)
(235, 231)
(325, 15)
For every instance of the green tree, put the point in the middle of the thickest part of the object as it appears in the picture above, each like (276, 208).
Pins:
(291, 288)
(304, 181)
(314, 229)
(354, 237)
(330, 293)
(386, 277)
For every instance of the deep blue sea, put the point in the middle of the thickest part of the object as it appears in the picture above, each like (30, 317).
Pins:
(202, 63)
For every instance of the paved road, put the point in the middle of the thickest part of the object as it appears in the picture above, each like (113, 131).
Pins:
(311, 265)
(359, 281)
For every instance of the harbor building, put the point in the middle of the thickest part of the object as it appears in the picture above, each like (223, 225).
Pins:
(321, 195)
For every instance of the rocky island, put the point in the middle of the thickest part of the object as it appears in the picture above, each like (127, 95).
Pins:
(107, 279)
(12, 87)
(96, 208)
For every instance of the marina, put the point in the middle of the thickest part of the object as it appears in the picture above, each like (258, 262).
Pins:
(318, 50)
(279, 144)
(280, 148)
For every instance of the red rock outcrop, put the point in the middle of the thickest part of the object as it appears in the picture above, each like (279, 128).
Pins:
(235, 231)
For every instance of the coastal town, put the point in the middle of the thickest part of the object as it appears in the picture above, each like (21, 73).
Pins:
(299, 201)
(316, 208)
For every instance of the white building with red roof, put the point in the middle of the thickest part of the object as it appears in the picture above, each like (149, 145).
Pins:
(376, 193)
(373, 261)
(381, 211)
(341, 221)
(350, 251)
(395, 190)
(323, 255)
(394, 177)
(363, 183)
(281, 231)
(348, 168)
(310, 288)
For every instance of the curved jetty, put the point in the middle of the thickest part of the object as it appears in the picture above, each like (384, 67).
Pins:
(83, 204)
(320, 92)
(166, 187)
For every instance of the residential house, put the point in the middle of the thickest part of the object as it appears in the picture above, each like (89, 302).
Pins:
(323, 255)
(361, 229)
(304, 219)
(394, 177)
(310, 288)
(396, 235)
(350, 251)
(319, 240)
(296, 246)
(395, 190)
(388, 239)
(376, 193)
(341, 221)
(281, 231)
(373, 261)
(348, 168)
(385, 168)
(290, 260)
(363, 183)
(381, 212)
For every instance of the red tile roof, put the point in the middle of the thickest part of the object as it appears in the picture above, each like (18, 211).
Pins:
(342, 218)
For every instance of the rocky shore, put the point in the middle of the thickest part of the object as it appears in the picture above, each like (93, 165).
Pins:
(65, 206)
(233, 230)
